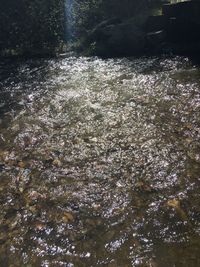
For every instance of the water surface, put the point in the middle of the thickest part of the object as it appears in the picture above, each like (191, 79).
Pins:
(100, 163)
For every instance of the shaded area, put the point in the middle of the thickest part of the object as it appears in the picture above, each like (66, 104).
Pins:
(152, 30)
(31, 28)
(100, 162)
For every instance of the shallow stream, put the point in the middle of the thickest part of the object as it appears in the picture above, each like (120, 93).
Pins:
(100, 163)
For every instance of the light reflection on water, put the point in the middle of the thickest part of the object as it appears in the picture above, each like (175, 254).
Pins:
(100, 162)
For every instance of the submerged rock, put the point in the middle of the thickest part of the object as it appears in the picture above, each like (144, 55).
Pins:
(176, 205)
(67, 217)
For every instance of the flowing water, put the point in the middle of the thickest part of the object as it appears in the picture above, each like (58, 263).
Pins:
(100, 163)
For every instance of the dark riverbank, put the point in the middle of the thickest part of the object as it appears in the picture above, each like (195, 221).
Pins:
(175, 31)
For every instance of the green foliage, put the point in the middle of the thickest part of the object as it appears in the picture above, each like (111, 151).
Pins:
(40, 26)
(31, 26)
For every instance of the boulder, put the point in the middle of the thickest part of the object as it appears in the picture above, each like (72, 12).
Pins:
(175, 31)
(98, 32)
(180, 30)
(156, 23)
(114, 38)
(126, 39)
(156, 41)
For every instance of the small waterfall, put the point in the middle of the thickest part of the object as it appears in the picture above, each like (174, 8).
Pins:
(69, 25)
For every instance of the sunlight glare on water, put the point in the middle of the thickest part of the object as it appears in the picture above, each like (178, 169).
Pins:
(100, 162)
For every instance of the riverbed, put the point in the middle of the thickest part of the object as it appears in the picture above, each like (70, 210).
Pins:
(100, 162)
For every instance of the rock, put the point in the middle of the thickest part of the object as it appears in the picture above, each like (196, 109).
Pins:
(186, 11)
(176, 205)
(155, 41)
(122, 40)
(182, 27)
(175, 31)
(179, 30)
(173, 203)
(21, 164)
(39, 226)
(67, 217)
(111, 38)
(96, 32)
(57, 163)
(94, 140)
(155, 23)
(143, 187)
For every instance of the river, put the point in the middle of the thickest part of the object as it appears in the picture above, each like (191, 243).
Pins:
(100, 162)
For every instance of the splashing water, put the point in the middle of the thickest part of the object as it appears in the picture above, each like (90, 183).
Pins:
(69, 4)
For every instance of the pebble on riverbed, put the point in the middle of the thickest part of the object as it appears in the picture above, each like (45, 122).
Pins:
(143, 187)
(67, 217)
(57, 163)
(176, 205)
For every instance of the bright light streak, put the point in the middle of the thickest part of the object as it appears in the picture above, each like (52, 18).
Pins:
(69, 19)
